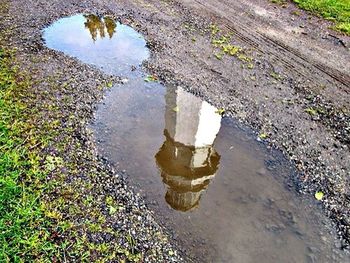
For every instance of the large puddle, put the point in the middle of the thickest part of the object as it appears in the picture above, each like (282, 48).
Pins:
(218, 190)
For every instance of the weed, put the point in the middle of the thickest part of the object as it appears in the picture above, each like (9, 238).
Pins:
(263, 136)
(219, 55)
(214, 29)
(223, 43)
(311, 111)
(275, 75)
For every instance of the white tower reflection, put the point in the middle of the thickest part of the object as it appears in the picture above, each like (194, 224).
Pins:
(187, 159)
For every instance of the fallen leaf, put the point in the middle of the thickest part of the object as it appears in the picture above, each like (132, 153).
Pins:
(176, 109)
(263, 136)
(319, 195)
(112, 210)
(151, 78)
(109, 84)
(220, 111)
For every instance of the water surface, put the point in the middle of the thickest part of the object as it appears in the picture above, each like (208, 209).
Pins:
(219, 190)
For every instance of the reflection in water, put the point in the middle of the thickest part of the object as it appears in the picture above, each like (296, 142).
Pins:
(98, 25)
(187, 159)
(110, 26)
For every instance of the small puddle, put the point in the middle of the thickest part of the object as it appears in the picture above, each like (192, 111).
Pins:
(218, 190)
(102, 42)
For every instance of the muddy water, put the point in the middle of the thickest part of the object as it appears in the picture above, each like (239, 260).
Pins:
(219, 192)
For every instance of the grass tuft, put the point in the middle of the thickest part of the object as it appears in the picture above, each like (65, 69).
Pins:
(334, 10)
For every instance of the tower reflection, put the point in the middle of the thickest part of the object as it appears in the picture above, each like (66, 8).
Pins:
(187, 159)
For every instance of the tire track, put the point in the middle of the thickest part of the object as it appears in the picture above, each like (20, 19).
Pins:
(291, 58)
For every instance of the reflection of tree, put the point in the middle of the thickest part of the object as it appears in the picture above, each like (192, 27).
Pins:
(110, 25)
(98, 25)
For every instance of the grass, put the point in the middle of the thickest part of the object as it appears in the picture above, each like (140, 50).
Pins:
(50, 180)
(334, 10)
(50, 220)
(24, 231)
(36, 213)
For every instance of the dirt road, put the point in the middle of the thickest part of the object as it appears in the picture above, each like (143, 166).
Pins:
(289, 80)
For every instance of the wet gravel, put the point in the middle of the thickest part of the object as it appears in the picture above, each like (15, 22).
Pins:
(305, 117)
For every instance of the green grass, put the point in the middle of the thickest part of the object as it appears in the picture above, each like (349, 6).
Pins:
(39, 216)
(47, 212)
(334, 10)
(24, 232)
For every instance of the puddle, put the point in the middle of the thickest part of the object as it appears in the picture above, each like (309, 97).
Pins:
(113, 47)
(218, 190)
